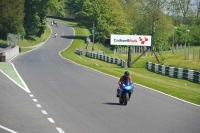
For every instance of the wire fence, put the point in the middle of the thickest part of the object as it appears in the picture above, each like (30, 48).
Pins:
(188, 52)
(13, 39)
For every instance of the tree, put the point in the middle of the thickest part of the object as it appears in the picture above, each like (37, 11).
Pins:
(107, 17)
(155, 22)
(184, 6)
(36, 12)
(55, 7)
(74, 6)
(12, 15)
(31, 19)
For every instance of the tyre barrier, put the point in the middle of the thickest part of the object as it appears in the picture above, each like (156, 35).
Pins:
(188, 74)
(106, 58)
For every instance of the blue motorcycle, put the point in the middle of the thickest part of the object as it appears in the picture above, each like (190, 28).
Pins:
(125, 93)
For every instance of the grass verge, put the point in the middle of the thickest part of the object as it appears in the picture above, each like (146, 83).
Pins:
(179, 88)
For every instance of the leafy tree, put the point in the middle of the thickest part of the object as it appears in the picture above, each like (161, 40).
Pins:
(74, 6)
(55, 7)
(107, 17)
(12, 15)
(36, 12)
(155, 22)
(31, 19)
(117, 21)
(195, 35)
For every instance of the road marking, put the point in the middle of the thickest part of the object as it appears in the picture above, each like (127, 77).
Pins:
(7, 129)
(51, 120)
(25, 86)
(38, 105)
(35, 100)
(12, 80)
(44, 112)
(31, 95)
(60, 130)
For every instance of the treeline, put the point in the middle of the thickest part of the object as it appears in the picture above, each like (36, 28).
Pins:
(167, 21)
(26, 17)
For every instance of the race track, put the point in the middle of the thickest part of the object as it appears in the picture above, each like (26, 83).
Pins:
(82, 100)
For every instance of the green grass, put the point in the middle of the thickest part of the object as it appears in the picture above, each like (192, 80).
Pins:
(2, 42)
(33, 40)
(8, 69)
(23, 50)
(180, 88)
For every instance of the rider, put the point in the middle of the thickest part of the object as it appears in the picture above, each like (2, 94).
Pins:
(55, 34)
(123, 78)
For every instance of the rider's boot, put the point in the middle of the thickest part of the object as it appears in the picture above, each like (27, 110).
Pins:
(118, 91)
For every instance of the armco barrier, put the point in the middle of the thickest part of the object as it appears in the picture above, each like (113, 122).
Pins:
(191, 75)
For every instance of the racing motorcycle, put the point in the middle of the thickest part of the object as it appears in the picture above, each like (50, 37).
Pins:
(125, 93)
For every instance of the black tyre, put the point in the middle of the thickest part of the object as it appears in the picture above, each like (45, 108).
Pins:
(126, 98)
(120, 101)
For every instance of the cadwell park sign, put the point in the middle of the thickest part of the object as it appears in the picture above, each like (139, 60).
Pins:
(134, 40)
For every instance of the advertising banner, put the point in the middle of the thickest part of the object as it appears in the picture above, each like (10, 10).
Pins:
(135, 40)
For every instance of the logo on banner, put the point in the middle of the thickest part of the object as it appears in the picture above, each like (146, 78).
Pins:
(143, 40)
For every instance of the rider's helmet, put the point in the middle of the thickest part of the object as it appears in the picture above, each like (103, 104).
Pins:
(126, 74)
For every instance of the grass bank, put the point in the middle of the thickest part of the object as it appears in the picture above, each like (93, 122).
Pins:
(180, 88)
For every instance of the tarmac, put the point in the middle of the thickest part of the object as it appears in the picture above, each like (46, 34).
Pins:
(8, 69)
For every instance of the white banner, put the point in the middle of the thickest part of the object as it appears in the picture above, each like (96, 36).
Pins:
(135, 40)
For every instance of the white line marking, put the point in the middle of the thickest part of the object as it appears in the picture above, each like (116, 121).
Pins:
(51, 120)
(7, 129)
(135, 83)
(26, 87)
(44, 112)
(169, 95)
(35, 100)
(60, 130)
(38, 105)
(12, 80)
(31, 95)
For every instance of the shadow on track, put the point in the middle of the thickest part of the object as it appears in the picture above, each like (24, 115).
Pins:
(109, 103)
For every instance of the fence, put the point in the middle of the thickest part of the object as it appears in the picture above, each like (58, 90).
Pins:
(182, 73)
(189, 53)
(13, 39)
(100, 56)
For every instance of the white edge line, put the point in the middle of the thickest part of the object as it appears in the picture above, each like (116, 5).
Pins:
(26, 87)
(60, 130)
(13, 80)
(118, 78)
(7, 129)
(140, 85)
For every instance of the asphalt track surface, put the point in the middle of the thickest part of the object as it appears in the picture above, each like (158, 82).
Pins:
(82, 100)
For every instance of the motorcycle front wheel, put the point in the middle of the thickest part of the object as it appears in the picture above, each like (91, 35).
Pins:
(126, 98)
(120, 101)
